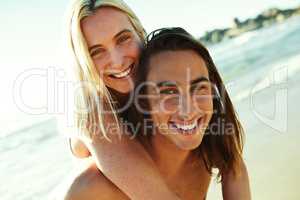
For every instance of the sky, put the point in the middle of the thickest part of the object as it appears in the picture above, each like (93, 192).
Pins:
(31, 31)
(197, 16)
(35, 27)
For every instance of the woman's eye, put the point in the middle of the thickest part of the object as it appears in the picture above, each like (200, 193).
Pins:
(97, 52)
(124, 38)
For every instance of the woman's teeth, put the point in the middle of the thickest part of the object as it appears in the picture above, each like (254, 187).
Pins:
(122, 74)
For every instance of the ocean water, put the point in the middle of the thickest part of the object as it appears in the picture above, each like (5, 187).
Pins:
(35, 157)
(246, 60)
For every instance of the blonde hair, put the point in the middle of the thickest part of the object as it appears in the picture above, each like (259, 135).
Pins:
(94, 98)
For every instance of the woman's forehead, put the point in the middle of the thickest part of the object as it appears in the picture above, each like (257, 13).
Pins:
(105, 23)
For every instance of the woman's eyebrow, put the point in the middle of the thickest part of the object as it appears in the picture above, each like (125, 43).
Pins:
(94, 47)
(121, 32)
(200, 79)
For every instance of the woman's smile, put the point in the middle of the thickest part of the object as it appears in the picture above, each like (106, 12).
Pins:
(124, 73)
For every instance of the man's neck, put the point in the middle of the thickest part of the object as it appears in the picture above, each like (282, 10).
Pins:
(168, 157)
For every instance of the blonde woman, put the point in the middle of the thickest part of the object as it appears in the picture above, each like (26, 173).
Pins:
(105, 41)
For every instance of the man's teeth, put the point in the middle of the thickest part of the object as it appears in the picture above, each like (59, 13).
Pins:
(187, 127)
(123, 74)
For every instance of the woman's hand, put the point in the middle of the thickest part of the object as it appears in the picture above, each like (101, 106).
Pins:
(78, 148)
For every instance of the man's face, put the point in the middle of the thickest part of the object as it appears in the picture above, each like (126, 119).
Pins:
(181, 103)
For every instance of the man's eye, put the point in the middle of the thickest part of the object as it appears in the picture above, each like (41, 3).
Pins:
(168, 91)
(201, 88)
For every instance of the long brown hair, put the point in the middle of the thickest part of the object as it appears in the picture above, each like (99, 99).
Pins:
(221, 149)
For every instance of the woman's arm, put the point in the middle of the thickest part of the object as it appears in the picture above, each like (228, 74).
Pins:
(236, 188)
(127, 164)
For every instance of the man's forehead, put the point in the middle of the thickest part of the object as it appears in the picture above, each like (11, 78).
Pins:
(181, 66)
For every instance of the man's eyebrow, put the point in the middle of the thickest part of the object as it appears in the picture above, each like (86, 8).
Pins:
(116, 36)
(200, 79)
(166, 83)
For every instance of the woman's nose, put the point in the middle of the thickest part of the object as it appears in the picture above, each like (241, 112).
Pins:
(116, 60)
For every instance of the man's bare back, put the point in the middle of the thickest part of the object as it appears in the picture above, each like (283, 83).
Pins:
(91, 184)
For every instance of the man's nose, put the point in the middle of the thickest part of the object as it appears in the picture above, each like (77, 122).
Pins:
(186, 110)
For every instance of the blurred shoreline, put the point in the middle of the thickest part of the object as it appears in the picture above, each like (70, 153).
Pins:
(264, 19)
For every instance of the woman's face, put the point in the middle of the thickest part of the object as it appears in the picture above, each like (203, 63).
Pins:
(181, 97)
(114, 47)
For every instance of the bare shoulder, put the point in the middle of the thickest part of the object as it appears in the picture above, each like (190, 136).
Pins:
(93, 185)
